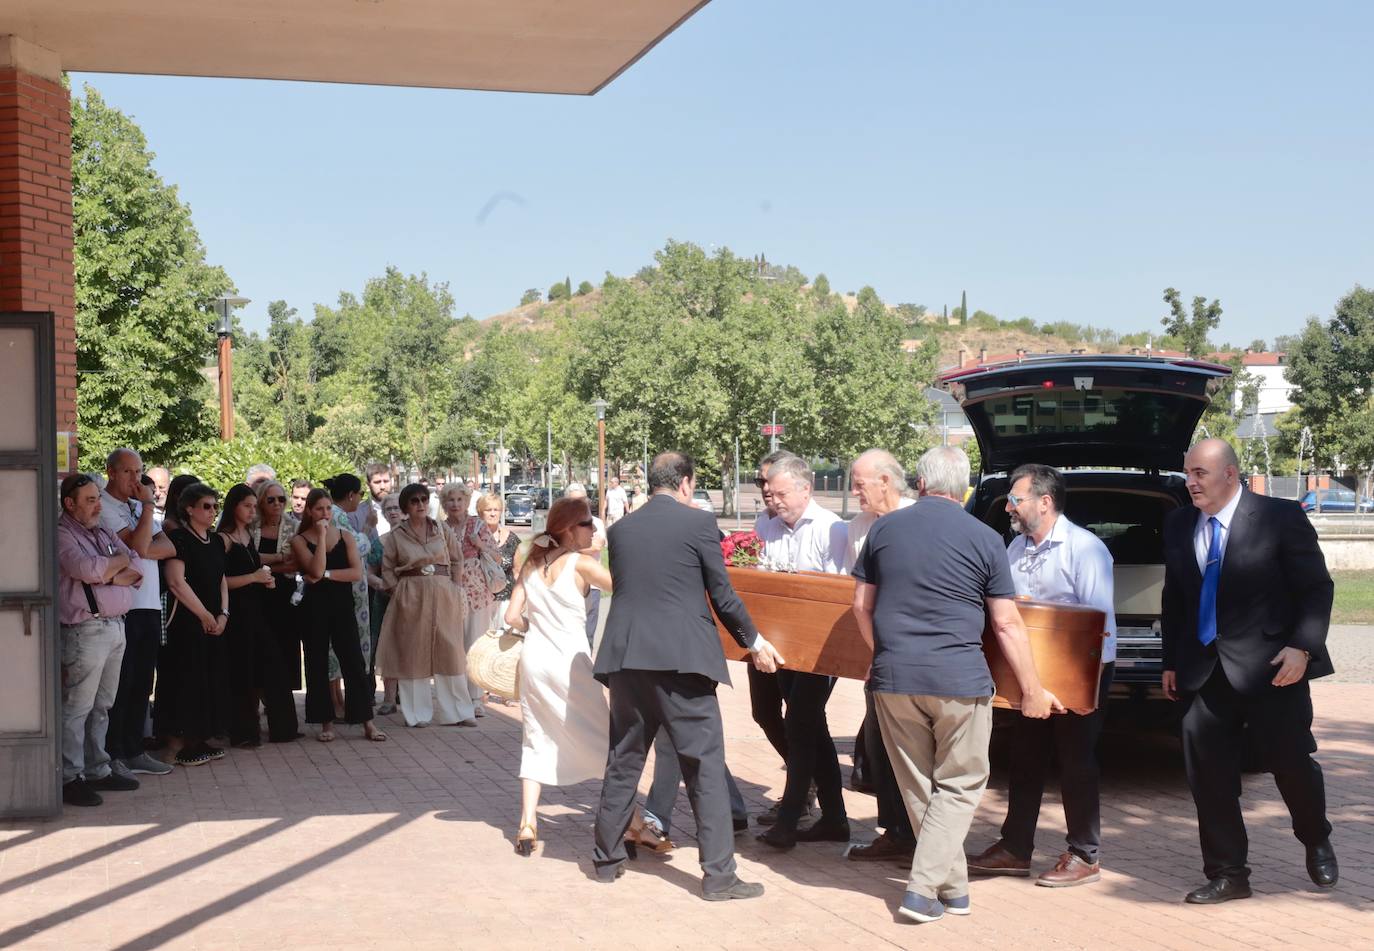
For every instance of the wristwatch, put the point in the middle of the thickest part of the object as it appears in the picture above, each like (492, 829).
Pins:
(326, 574)
(224, 611)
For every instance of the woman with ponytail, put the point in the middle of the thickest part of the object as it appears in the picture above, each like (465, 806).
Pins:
(564, 712)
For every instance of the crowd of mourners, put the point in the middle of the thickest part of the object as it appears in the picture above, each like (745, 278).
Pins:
(188, 619)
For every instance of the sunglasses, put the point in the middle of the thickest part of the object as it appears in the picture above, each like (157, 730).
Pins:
(587, 524)
(419, 500)
(209, 506)
(277, 499)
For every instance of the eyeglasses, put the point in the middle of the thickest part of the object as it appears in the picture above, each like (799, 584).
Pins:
(277, 499)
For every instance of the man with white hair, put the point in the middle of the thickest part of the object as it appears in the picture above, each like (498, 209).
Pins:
(877, 480)
(576, 490)
(803, 536)
(929, 576)
(616, 502)
(259, 474)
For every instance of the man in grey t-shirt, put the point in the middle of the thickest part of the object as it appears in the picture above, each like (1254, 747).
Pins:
(927, 577)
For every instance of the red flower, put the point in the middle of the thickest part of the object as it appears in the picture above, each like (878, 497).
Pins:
(741, 549)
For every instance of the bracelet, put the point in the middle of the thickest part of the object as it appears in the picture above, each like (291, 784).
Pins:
(326, 574)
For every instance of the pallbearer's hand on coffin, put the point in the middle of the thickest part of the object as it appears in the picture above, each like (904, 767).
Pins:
(765, 656)
(1041, 706)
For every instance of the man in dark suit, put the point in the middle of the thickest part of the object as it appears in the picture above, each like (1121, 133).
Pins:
(1247, 602)
(661, 657)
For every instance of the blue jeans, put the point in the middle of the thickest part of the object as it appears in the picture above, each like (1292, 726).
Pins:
(91, 655)
(668, 779)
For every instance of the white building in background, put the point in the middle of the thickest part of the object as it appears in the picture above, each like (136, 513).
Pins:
(1275, 392)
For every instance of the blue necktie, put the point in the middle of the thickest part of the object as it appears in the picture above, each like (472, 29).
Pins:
(1211, 576)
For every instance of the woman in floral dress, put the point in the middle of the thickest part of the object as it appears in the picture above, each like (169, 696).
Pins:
(476, 538)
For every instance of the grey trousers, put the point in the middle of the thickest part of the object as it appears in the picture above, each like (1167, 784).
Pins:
(92, 652)
(685, 706)
(667, 780)
(939, 752)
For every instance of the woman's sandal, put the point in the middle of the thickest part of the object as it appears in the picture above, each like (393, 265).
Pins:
(525, 843)
(325, 736)
(375, 735)
(641, 833)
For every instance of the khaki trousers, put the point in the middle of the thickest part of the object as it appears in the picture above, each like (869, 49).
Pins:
(939, 752)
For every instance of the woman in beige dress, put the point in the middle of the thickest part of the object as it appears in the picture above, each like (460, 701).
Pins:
(422, 633)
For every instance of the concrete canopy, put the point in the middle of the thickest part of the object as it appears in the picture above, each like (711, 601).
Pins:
(550, 46)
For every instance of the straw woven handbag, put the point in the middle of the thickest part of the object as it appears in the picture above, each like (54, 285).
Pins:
(494, 663)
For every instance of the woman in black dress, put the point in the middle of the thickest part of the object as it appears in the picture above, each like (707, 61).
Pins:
(192, 698)
(329, 561)
(255, 668)
(273, 531)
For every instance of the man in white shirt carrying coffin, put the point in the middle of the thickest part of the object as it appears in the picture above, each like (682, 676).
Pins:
(803, 536)
(1053, 559)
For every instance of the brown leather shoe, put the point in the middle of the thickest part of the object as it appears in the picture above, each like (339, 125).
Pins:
(882, 848)
(995, 860)
(1071, 870)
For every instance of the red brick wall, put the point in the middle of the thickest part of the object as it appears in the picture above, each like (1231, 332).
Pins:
(36, 215)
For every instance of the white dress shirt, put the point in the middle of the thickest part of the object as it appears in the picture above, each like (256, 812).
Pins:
(858, 533)
(816, 543)
(1071, 566)
(1202, 538)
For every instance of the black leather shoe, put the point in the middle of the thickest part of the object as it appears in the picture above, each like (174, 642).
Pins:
(825, 830)
(737, 890)
(1321, 864)
(1217, 891)
(741, 825)
(779, 838)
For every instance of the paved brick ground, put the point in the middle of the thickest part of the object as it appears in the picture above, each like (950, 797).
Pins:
(405, 844)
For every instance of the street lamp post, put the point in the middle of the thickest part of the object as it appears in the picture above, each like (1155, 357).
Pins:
(224, 329)
(600, 405)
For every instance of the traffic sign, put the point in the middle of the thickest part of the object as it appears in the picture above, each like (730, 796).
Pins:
(770, 429)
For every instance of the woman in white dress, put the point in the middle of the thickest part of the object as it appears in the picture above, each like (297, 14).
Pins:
(564, 711)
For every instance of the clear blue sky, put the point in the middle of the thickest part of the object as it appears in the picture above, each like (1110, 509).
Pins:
(1057, 160)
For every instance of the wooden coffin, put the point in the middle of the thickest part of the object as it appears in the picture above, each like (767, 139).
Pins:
(1066, 645)
(808, 617)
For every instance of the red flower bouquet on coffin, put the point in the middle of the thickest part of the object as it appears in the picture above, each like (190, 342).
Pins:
(741, 549)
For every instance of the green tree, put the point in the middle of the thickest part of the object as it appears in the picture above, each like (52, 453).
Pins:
(1258, 345)
(585, 288)
(821, 286)
(144, 295)
(1332, 366)
(559, 291)
(1191, 331)
(869, 393)
(531, 296)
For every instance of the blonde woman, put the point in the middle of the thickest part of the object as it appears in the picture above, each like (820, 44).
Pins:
(489, 508)
(476, 538)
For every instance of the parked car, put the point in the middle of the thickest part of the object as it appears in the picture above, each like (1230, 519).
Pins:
(519, 509)
(1118, 427)
(1336, 500)
(702, 500)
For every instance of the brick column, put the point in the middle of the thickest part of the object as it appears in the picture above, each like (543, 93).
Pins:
(36, 272)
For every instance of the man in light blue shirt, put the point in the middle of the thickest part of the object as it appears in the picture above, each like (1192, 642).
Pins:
(1053, 559)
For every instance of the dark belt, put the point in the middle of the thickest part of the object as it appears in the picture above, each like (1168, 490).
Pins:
(436, 571)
